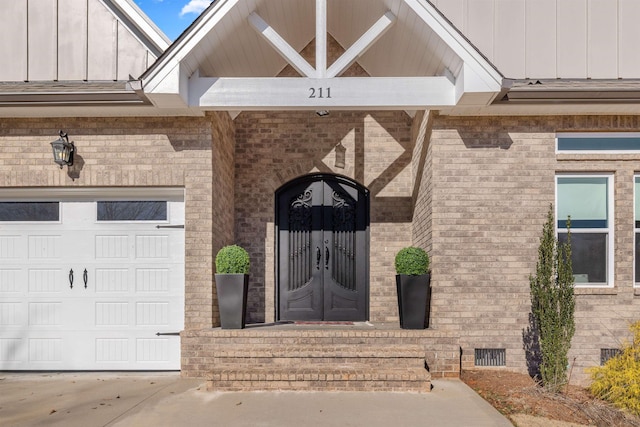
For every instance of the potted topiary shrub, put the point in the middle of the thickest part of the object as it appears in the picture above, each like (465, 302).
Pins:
(413, 283)
(232, 284)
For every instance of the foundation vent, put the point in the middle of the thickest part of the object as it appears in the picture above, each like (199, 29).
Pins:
(608, 353)
(490, 357)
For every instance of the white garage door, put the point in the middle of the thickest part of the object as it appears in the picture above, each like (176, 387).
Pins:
(92, 282)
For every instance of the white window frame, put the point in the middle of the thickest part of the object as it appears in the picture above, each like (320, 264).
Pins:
(636, 230)
(587, 135)
(609, 230)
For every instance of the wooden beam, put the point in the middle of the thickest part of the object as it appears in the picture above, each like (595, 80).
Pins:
(362, 44)
(281, 46)
(321, 39)
(310, 93)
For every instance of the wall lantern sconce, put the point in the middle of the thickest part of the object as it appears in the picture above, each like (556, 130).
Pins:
(341, 155)
(63, 150)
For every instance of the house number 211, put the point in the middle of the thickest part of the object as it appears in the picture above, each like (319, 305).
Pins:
(321, 92)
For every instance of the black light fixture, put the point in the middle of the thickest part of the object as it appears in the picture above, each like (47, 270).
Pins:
(63, 150)
(341, 155)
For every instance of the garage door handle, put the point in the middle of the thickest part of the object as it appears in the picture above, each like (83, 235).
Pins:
(170, 226)
(71, 278)
(85, 277)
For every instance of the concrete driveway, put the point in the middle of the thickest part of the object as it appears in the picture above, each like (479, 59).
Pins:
(165, 399)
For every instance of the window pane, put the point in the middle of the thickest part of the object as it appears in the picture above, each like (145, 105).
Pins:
(588, 255)
(637, 200)
(584, 200)
(637, 258)
(29, 211)
(132, 211)
(600, 143)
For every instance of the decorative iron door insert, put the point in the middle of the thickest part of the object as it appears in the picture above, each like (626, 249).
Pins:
(323, 249)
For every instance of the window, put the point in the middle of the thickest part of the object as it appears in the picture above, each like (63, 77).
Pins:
(29, 211)
(637, 229)
(587, 200)
(132, 211)
(622, 142)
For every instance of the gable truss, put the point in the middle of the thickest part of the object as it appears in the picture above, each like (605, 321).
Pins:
(319, 87)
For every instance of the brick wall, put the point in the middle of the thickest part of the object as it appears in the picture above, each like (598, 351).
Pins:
(221, 197)
(131, 152)
(273, 148)
(422, 181)
(493, 182)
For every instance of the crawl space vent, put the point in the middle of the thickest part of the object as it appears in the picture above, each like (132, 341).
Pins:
(608, 353)
(490, 357)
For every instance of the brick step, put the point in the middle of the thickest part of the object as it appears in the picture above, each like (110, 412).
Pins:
(267, 335)
(400, 356)
(333, 343)
(354, 377)
(306, 350)
(373, 362)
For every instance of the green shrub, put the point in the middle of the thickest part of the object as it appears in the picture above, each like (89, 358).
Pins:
(232, 260)
(618, 381)
(412, 261)
(553, 304)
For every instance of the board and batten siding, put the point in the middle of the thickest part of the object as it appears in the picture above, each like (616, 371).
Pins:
(544, 39)
(67, 40)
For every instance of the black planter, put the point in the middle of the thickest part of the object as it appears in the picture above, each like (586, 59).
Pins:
(232, 299)
(414, 299)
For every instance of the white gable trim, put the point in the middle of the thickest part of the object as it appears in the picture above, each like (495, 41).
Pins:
(163, 86)
(155, 39)
(478, 83)
(485, 76)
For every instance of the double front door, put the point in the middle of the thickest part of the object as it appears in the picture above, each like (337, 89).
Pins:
(323, 249)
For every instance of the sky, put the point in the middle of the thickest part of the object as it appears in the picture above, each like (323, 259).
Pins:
(173, 16)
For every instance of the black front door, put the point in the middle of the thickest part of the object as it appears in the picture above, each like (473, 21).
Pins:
(323, 249)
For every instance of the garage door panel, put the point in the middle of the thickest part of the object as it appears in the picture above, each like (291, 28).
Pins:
(112, 314)
(12, 248)
(153, 280)
(45, 314)
(46, 351)
(11, 314)
(10, 280)
(44, 247)
(113, 280)
(153, 314)
(12, 352)
(153, 350)
(152, 246)
(112, 350)
(112, 246)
